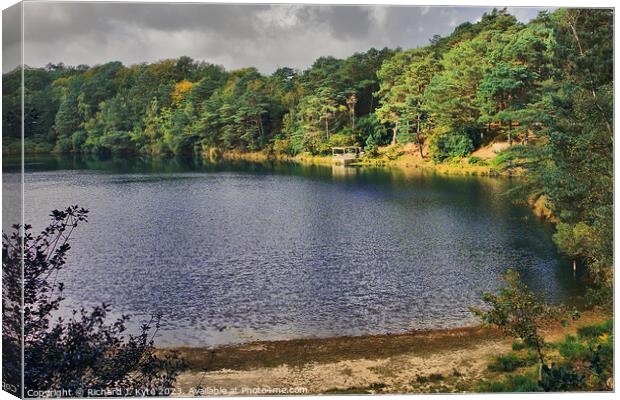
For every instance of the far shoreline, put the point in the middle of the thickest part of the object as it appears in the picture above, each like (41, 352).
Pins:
(409, 160)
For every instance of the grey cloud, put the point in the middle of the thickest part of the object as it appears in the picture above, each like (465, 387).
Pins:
(266, 36)
(11, 37)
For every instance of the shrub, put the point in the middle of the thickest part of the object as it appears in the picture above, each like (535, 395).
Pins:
(313, 142)
(586, 360)
(561, 379)
(518, 345)
(372, 146)
(78, 138)
(476, 161)
(369, 126)
(518, 312)
(283, 146)
(83, 351)
(450, 145)
(504, 157)
(511, 362)
(63, 145)
(339, 139)
(572, 349)
(513, 383)
(594, 331)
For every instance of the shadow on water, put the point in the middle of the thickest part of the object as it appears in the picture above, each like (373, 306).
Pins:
(278, 250)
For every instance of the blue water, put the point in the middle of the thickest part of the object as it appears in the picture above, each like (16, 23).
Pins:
(277, 251)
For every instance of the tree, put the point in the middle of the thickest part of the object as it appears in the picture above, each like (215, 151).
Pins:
(419, 75)
(513, 87)
(181, 90)
(393, 91)
(575, 167)
(351, 102)
(519, 313)
(451, 94)
(82, 352)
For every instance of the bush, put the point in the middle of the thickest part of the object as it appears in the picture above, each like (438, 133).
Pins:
(594, 331)
(476, 161)
(313, 142)
(283, 146)
(518, 312)
(83, 351)
(450, 145)
(510, 157)
(369, 126)
(340, 139)
(511, 362)
(518, 345)
(572, 349)
(561, 379)
(504, 157)
(63, 145)
(78, 138)
(372, 146)
(513, 383)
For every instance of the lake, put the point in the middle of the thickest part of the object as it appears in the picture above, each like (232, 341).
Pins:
(236, 252)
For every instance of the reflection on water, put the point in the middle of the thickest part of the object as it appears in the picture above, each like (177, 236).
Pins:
(277, 250)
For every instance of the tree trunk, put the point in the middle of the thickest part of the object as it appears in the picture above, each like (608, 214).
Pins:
(417, 135)
(327, 128)
(510, 133)
(526, 137)
(259, 122)
(394, 132)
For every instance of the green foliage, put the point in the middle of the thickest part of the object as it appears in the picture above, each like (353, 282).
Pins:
(450, 145)
(473, 160)
(283, 146)
(573, 349)
(561, 379)
(587, 360)
(513, 383)
(512, 361)
(519, 345)
(597, 330)
(586, 363)
(371, 132)
(575, 169)
(513, 157)
(519, 313)
(340, 139)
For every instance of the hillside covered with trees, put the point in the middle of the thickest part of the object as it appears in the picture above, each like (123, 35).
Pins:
(493, 80)
(494, 77)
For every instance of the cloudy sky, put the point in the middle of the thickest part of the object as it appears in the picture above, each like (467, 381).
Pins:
(265, 36)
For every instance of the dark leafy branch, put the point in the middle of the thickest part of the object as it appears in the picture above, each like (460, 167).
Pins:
(83, 351)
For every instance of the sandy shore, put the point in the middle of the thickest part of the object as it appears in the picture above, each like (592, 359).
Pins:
(451, 360)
